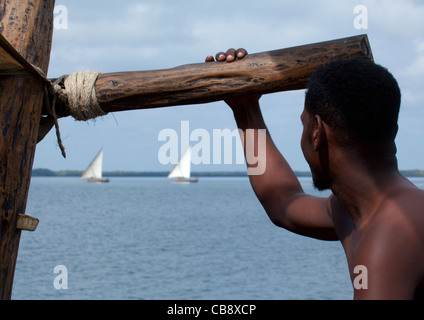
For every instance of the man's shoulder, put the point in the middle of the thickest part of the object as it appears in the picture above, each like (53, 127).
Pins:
(397, 228)
(405, 206)
(402, 211)
(392, 248)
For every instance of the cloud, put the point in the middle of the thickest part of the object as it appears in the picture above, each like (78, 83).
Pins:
(416, 68)
(400, 18)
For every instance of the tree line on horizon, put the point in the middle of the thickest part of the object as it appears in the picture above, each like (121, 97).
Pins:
(76, 173)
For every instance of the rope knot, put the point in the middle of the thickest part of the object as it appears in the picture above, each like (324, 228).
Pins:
(77, 91)
(79, 94)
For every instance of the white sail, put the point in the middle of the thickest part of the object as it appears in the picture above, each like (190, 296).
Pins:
(94, 170)
(183, 167)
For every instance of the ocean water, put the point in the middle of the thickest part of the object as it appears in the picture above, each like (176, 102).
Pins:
(150, 239)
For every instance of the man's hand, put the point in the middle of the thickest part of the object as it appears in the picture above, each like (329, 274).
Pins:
(230, 56)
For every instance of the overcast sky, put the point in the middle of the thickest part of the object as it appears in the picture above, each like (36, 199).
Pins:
(129, 35)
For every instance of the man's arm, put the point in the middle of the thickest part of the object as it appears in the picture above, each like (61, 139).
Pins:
(277, 188)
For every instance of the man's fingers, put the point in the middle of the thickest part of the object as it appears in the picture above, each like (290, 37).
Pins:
(231, 55)
(220, 56)
(241, 53)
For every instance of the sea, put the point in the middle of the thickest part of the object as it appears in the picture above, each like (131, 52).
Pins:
(151, 239)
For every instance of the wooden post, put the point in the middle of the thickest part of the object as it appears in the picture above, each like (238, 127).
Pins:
(28, 26)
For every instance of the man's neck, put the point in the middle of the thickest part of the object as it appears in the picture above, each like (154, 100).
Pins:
(362, 189)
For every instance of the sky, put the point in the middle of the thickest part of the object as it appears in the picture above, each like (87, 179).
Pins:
(133, 35)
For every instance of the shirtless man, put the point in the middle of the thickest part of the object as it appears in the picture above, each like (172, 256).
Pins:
(349, 129)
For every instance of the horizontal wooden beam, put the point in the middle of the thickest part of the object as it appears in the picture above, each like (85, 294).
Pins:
(266, 72)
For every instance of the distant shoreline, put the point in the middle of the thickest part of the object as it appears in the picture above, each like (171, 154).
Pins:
(76, 173)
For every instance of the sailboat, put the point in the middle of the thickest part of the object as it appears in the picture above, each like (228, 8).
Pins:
(94, 171)
(182, 171)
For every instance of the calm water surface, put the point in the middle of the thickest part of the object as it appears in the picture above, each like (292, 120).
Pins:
(147, 238)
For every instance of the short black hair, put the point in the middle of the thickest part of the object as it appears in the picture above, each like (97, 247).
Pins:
(358, 99)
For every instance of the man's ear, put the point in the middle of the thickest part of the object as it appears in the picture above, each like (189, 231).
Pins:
(319, 134)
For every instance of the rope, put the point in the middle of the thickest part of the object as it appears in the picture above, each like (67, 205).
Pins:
(52, 115)
(79, 95)
(76, 91)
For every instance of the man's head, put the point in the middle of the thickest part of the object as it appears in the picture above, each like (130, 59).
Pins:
(359, 101)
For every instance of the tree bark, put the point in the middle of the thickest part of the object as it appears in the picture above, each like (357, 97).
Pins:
(28, 26)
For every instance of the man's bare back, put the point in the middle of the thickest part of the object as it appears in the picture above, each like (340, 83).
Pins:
(349, 128)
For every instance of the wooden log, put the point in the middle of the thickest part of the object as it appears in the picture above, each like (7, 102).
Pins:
(28, 26)
(266, 72)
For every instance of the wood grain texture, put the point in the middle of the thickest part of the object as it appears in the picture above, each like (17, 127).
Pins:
(28, 26)
(266, 72)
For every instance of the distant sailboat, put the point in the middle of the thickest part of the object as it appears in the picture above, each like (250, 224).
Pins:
(94, 171)
(182, 171)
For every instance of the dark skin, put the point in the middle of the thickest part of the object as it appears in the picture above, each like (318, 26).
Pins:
(376, 213)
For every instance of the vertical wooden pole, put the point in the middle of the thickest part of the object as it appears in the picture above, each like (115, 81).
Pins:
(28, 26)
